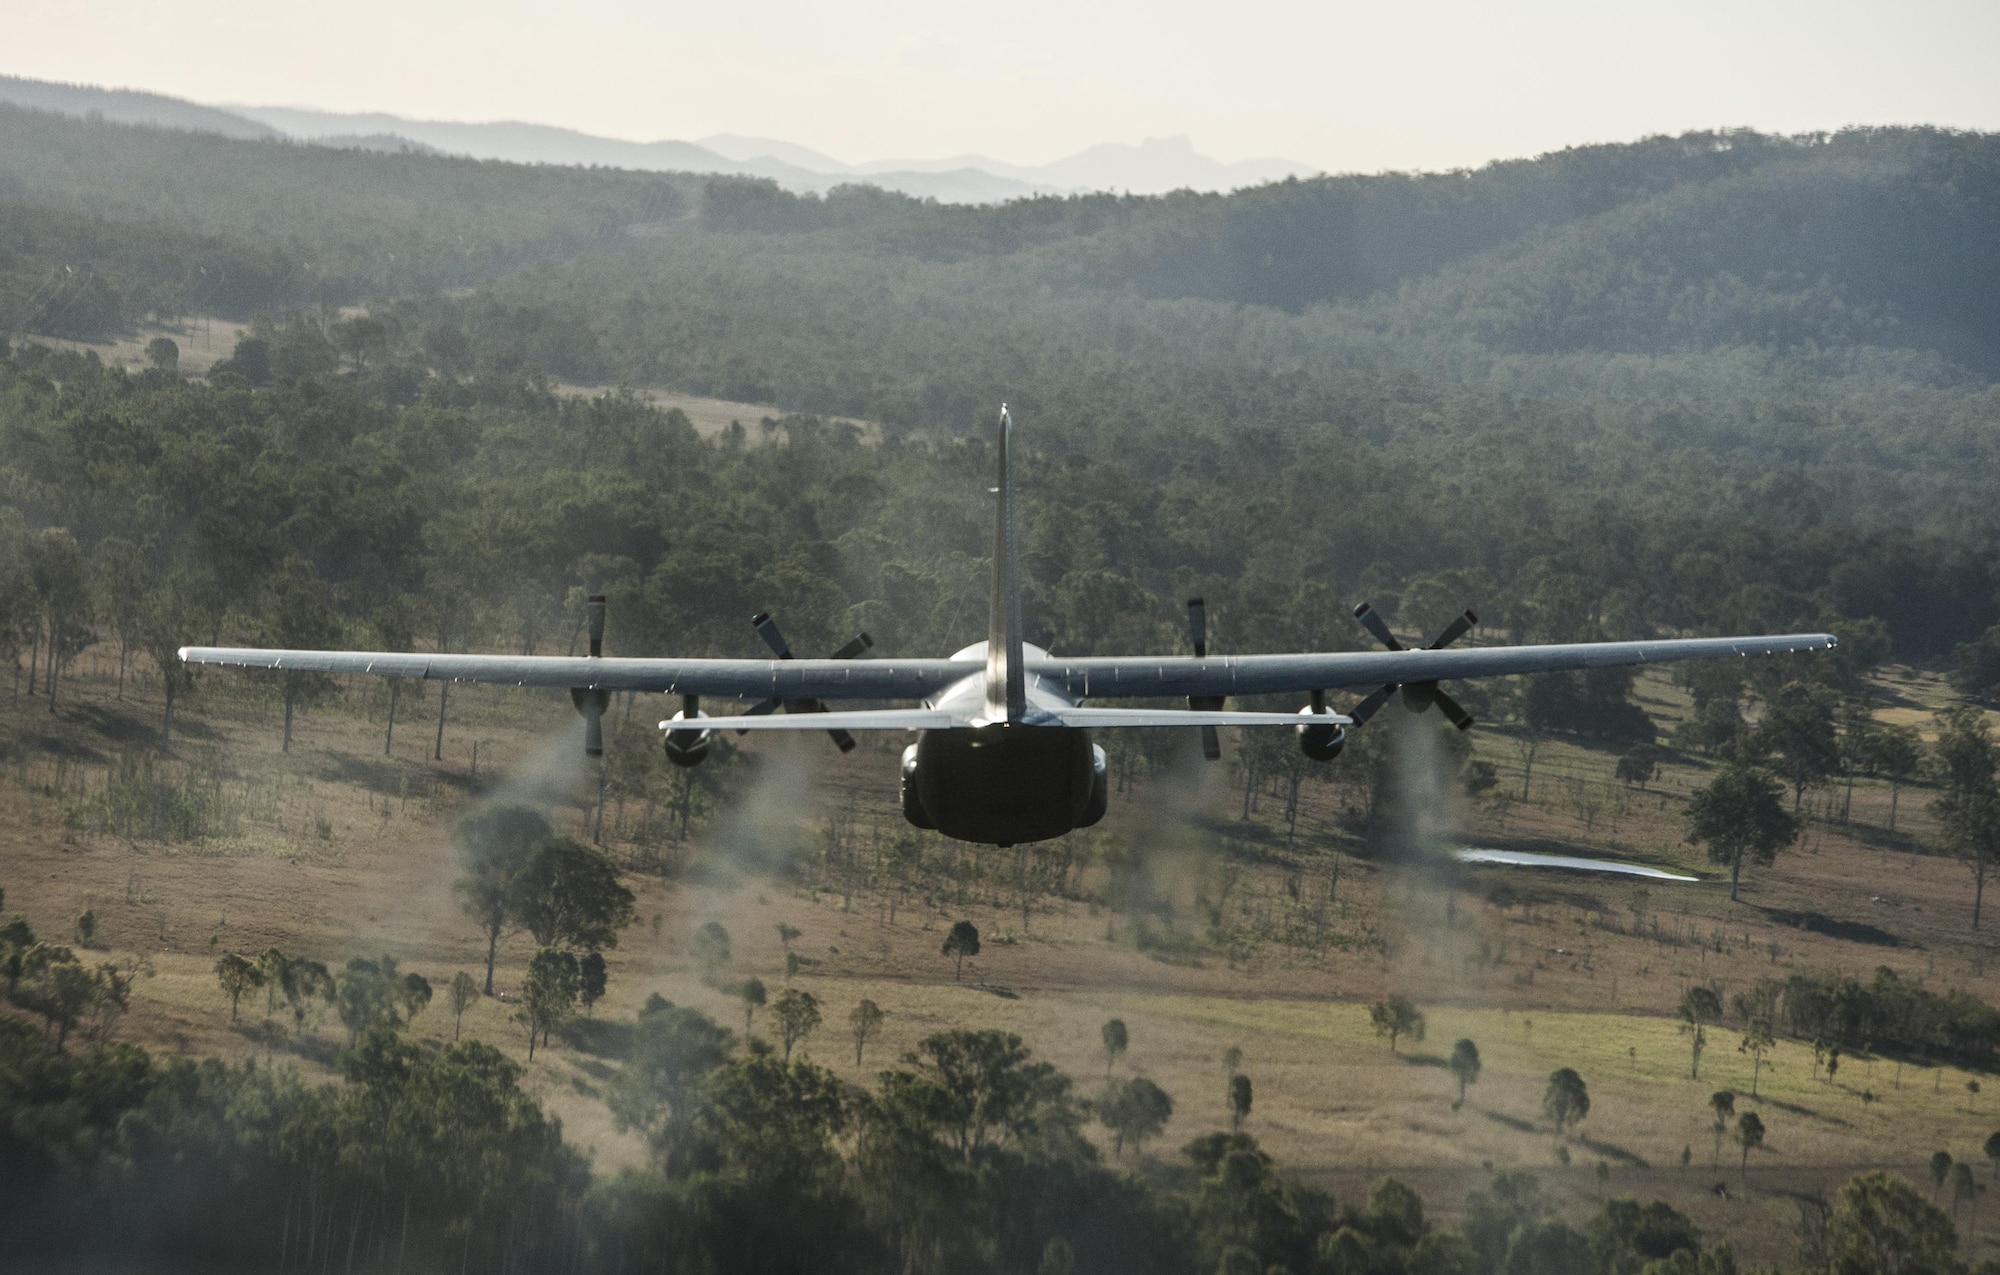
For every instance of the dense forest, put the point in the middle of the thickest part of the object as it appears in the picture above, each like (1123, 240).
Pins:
(1708, 384)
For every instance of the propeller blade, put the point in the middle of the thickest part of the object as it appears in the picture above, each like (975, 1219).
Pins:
(768, 706)
(1373, 704)
(1198, 627)
(594, 609)
(1372, 621)
(767, 628)
(1197, 616)
(1452, 709)
(1457, 629)
(854, 650)
(593, 734)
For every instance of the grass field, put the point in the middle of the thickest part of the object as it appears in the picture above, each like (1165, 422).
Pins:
(336, 850)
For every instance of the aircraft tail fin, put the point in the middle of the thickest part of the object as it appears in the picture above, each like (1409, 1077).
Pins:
(1006, 672)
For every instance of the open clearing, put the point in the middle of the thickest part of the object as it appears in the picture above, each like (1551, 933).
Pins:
(340, 851)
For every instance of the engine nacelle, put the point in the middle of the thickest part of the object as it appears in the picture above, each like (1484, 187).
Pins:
(688, 747)
(1321, 743)
(913, 804)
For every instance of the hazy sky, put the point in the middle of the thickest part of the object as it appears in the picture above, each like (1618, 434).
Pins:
(1347, 86)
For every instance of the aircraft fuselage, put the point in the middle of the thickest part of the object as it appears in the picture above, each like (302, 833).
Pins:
(1004, 784)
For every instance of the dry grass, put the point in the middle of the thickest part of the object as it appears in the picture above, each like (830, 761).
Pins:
(341, 852)
(713, 416)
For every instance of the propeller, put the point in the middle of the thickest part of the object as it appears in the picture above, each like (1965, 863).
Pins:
(1417, 696)
(767, 628)
(1197, 611)
(593, 702)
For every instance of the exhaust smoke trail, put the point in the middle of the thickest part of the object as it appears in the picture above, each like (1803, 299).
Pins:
(1419, 886)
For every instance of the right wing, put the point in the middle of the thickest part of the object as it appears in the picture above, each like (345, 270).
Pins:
(724, 679)
(1110, 677)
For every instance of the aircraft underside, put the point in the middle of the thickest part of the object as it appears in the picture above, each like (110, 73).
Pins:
(1004, 785)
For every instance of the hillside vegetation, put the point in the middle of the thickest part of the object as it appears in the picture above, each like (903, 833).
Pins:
(1710, 384)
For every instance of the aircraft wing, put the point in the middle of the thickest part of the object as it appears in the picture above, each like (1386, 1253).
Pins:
(726, 679)
(1115, 676)
(1098, 678)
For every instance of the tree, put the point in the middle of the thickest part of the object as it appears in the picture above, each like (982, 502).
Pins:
(1700, 1006)
(711, 948)
(1798, 727)
(963, 941)
(164, 624)
(302, 620)
(1940, 1164)
(753, 994)
(493, 848)
(862, 1022)
(673, 1049)
(414, 996)
(1723, 1103)
(1134, 1110)
(548, 994)
(464, 991)
(797, 1013)
(1115, 1041)
(1740, 812)
(591, 979)
(1566, 1100)
(1880, 1225)
(1965, 1188)
(123, 577)
(1396, 1017)
(1639, 765)
(1758, 1039)
(367, 996)
(163, 354)
(1240, 1096)
(1897, 754)
(1465, 1067)
(237, 976)
(58, 575)
(1749, 1136)
(568, 895)
(57, 986)
(1963, 765)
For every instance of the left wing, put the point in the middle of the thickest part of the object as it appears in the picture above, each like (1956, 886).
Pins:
(725, 679)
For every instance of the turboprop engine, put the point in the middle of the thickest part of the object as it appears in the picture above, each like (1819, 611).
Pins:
(689, 747)
(1321, 743)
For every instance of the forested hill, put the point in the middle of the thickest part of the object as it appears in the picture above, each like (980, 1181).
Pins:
(1884, 238)
(1707, 383)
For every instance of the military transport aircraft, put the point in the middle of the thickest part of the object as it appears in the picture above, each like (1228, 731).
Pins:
(1003, 753)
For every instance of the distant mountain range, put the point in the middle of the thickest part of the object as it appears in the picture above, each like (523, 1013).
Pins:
(1152, 167)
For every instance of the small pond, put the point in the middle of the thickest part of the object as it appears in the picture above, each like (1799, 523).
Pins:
(1525, 859)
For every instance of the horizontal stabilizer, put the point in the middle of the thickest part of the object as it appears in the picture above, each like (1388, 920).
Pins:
(1086, 717)
(855, 719)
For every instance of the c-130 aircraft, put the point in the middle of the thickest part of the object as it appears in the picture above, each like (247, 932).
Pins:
(1003, 754)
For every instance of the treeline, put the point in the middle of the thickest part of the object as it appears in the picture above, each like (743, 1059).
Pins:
(1889, 1015)
(967, 1156)
(288, 224)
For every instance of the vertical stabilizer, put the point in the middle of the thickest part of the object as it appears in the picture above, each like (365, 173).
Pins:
(1006, 676)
